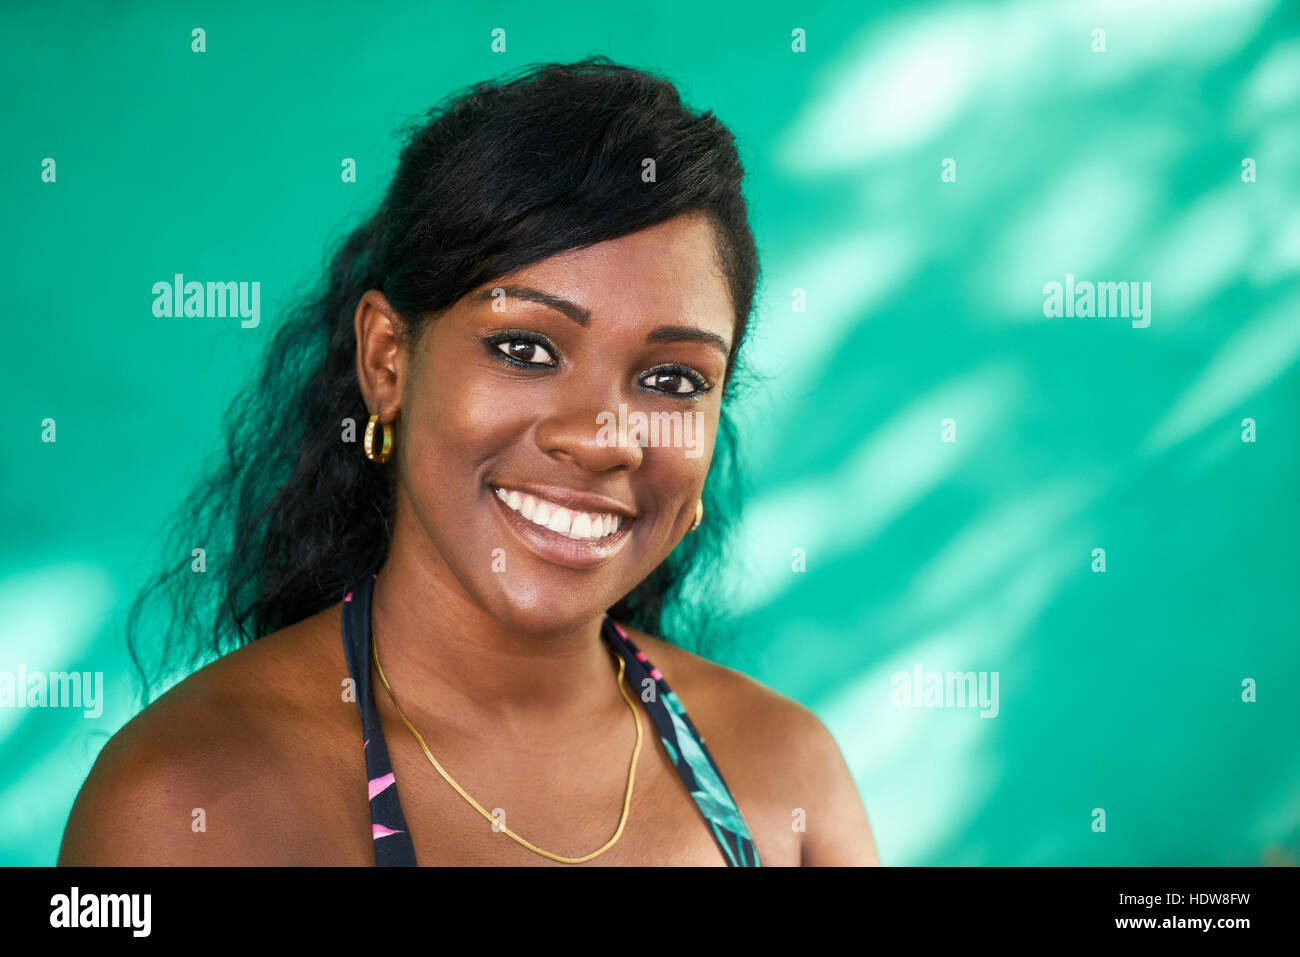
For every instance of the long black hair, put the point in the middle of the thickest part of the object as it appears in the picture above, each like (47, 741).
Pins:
(498, 176)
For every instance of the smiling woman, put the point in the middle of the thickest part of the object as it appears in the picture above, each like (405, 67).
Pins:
(522, 281)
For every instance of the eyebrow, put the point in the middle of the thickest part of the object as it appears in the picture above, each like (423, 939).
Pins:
(582, 316)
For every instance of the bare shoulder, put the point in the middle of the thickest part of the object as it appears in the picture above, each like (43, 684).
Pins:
(713, 690)
(206, 774)
(778, 757)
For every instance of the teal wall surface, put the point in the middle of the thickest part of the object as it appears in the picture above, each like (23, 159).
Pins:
(947, 457)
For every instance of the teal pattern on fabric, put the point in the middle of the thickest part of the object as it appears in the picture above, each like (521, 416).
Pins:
(690, 756)
(713, 798)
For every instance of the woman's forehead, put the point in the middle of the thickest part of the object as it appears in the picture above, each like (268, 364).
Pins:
(667, 272)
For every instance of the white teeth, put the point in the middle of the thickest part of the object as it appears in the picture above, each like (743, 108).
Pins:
(560, 522)
(580, 526)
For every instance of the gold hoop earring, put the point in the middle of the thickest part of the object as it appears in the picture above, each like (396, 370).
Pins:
(386, 451)
(699, 515)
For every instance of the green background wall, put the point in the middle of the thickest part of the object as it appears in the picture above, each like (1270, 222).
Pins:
(1119, 690)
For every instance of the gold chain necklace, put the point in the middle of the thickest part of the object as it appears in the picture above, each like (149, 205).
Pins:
(631, 774)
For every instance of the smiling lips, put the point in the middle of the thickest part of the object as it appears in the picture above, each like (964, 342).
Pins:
(561, 534)
(575, 525)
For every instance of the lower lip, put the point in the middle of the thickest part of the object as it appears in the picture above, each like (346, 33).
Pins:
(557, 549)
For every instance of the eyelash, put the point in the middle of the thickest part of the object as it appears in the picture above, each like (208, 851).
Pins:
(494, 343)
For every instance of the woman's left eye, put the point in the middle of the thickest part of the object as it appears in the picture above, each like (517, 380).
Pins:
(523, 350)
(677, 382)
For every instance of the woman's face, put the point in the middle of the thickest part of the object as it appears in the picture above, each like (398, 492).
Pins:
(551, 404)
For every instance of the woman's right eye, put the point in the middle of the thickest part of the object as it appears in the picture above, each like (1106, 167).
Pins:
(523, 350)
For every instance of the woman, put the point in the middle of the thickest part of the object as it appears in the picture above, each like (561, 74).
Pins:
(465, 604)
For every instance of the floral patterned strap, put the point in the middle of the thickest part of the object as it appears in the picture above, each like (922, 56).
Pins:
(393, 847)
(686, 747)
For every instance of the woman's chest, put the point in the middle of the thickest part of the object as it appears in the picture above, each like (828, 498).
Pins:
(533, 808)
(566, 805)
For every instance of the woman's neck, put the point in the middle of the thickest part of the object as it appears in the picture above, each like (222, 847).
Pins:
(448, 657)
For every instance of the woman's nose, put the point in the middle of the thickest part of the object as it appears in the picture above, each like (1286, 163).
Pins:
(589, 433)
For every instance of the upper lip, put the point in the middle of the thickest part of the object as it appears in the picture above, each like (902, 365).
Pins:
(569, 498)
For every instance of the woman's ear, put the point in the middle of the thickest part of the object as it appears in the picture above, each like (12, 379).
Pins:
(381, 356)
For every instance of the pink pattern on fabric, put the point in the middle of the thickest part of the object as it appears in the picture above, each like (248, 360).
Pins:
(366, 745)
(656, 674)
(640, 656)
(348, 596)
(378, 831)
(619, 629)
(380, 784)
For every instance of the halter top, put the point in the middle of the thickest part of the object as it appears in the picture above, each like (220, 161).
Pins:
(699, 773)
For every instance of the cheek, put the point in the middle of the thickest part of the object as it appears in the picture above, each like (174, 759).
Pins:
(457, 418)
(453, 430)
(699, 442)
(677, 471)
(438, 447)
